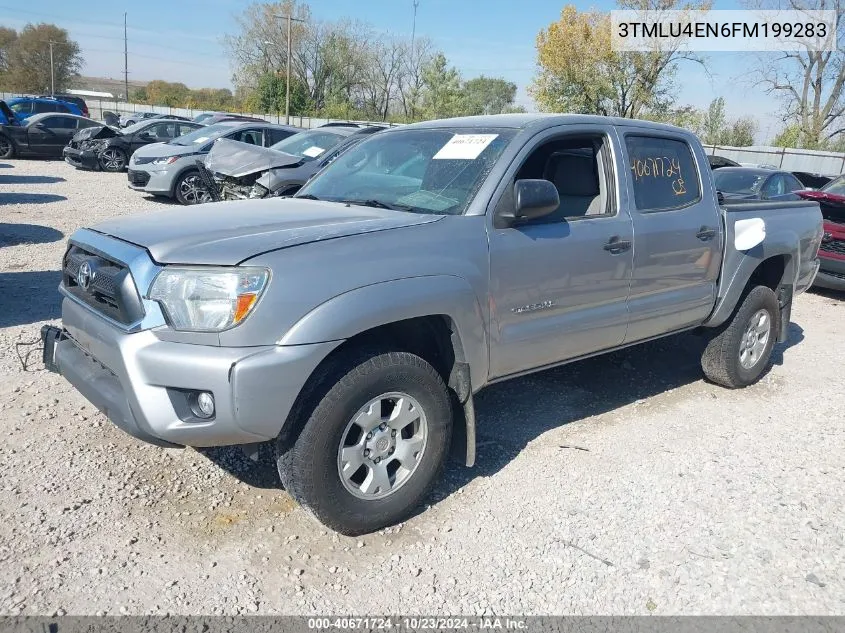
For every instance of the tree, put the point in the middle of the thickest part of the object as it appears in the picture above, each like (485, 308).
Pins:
(810, 83)
(714, 123)
(28, 59)
(167, 93)
(418, 55)
(489, 95)
(442, 97)
(8, 39)
(790, 136)
(271, 92)
(580, 71)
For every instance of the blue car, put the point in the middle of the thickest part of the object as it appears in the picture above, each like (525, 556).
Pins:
(25, 107)
(7, 117)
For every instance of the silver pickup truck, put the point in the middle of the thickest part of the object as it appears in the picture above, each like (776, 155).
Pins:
(351, 324)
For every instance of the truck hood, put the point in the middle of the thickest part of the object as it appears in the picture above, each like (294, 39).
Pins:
(227, 233)
(236, 159)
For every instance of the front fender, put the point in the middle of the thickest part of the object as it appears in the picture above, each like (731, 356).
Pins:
(368, 307)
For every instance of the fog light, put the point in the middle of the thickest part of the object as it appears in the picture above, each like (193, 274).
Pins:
(203, 405)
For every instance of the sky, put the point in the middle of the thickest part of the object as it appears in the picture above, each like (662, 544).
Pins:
(180, 40)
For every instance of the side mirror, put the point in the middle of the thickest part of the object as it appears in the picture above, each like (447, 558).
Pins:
(532, 199)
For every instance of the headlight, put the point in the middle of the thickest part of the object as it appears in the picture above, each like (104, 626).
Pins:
(208, 299)
(258, 191)
(165, 160)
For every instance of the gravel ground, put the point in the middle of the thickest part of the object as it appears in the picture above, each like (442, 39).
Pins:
(621, 485)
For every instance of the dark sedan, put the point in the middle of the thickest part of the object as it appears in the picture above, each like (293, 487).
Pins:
(41, 135)
(756, 183)
(109, 149)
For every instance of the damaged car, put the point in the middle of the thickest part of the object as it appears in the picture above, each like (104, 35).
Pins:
(109, 149)
(238, 171)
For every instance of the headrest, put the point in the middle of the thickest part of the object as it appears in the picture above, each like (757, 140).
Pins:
(573, 174)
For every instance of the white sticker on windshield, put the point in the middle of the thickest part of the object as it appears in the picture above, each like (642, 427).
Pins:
(313, 151)
(201, 139)
(465, 146)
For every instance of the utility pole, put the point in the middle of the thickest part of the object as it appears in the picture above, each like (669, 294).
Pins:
(287, 75)
(414, 29)
(52, 74)
(125, 62)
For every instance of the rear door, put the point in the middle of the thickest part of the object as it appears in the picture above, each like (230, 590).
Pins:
(678, 227)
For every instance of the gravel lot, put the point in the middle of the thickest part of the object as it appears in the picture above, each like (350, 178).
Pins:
(623, 484)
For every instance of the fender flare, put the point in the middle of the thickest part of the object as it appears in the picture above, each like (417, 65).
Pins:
(368, 307)
(731, 292)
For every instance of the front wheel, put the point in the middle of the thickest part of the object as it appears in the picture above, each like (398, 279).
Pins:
(740, 352)
(7, 148)
(190, 189)
(113, 159)
(373, 446)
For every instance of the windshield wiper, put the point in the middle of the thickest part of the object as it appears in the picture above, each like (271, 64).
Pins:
(308, 196)
(378, 204)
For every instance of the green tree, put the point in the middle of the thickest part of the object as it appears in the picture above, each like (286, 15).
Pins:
(139, 95)
(581, 72)
(489, 95)
(790, 136)
(443, 96)
(715, 123)
(28, 59)
(167, 93)
(271, 91)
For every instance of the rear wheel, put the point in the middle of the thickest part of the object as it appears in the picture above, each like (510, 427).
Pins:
(373, 445)
(113, 159)
(7, 148)
(742, 349)
(190, 189)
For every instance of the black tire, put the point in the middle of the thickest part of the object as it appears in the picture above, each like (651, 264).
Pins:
(117, 161)
(7, 147)
(309, 464)
(189, 190)
(721, 358)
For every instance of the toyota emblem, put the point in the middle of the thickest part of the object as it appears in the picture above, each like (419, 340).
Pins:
(85, 276)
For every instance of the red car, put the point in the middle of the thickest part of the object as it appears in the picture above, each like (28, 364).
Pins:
(831, 199)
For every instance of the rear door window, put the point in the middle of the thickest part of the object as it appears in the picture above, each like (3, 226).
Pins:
(251, 136)
(663, 173)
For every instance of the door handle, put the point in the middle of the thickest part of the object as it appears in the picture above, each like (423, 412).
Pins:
(616, 245)
(706, 233)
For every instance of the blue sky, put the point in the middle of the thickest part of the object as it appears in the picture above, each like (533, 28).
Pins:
(179, 40)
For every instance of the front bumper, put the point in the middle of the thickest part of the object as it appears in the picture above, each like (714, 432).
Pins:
(831, 274)
(142, 383)
(158, 182)
(81, 158)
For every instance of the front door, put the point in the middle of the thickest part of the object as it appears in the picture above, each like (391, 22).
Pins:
(49, 136)
(559, 284)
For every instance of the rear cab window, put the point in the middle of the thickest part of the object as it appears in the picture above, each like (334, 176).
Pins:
(663, 173)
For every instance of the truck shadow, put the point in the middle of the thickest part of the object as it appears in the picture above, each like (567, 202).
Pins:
(511, 414)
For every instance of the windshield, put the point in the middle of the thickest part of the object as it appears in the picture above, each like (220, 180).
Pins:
(308, 145)
(131, 129)
(434, 170)
(738, 181)
(203, 134)
(835, 186)
(20, 106)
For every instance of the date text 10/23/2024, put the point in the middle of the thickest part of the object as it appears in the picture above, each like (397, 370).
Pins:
(418, 623)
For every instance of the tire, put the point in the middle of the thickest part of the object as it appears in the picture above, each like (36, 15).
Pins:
(189, 190)
(734, 358)
(312, 465)
(7, 148)
(113, 159)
